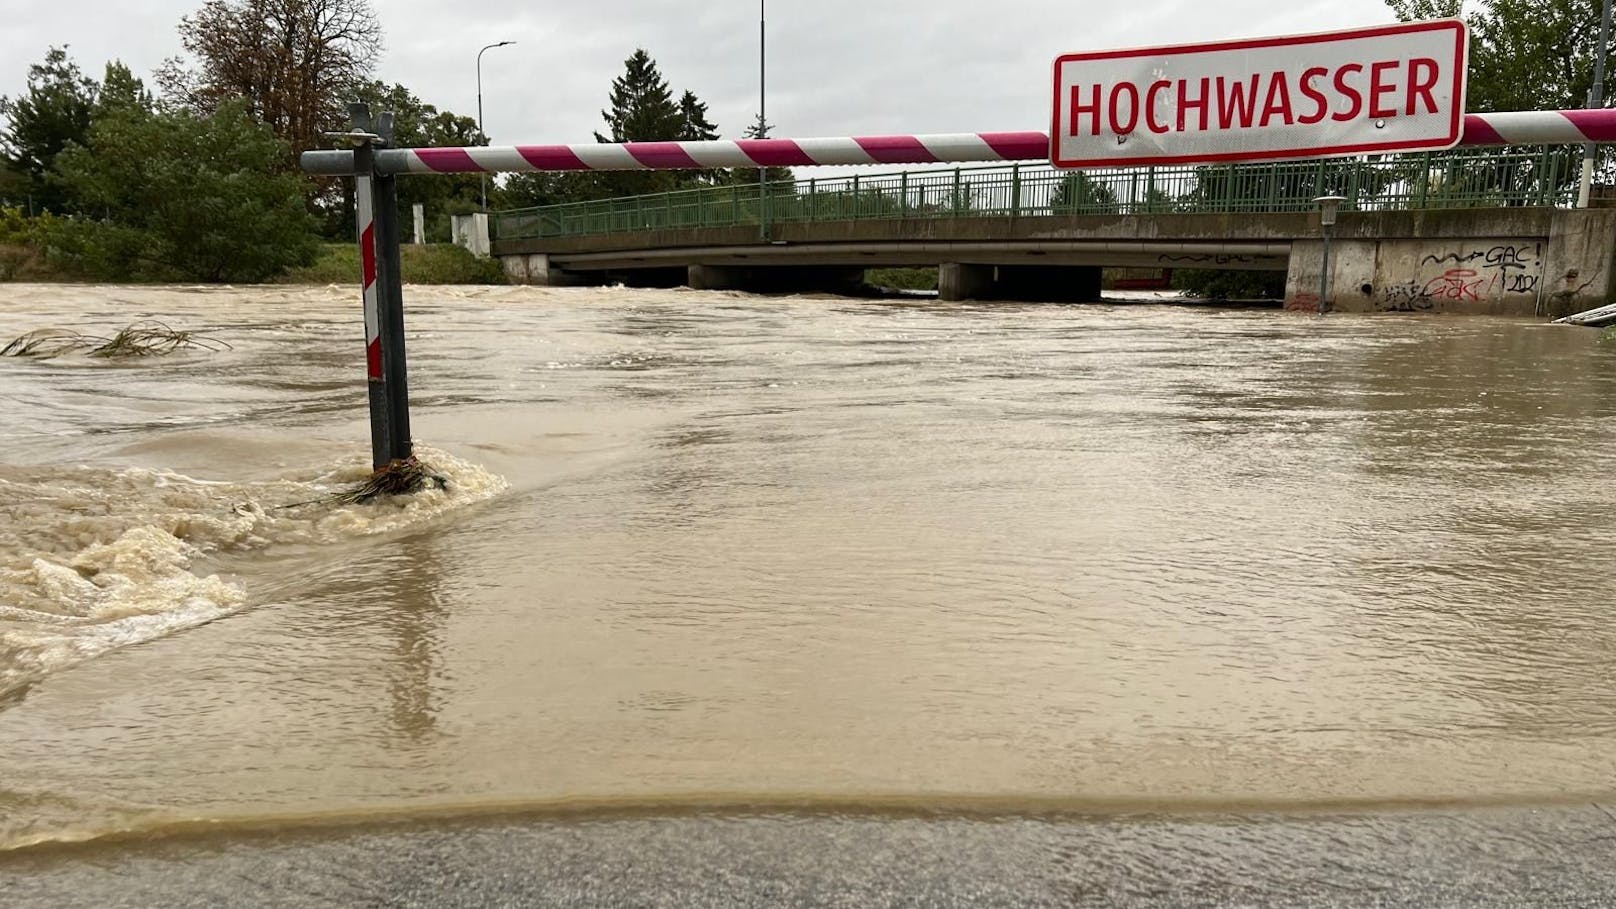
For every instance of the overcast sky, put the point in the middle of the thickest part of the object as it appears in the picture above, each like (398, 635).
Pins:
(836, 67)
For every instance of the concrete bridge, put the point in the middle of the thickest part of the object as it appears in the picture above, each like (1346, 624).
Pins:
(1471, 231)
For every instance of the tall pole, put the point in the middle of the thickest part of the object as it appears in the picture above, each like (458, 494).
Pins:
(376, 217)
(1324, 274)
(482, 134)
(1596, 98)
(763, 115)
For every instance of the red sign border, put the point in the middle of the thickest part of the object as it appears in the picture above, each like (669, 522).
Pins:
(1455, 129)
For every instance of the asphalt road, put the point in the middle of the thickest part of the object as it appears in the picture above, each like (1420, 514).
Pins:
(1494, 857)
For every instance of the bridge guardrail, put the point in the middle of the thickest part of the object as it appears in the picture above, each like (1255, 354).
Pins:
(1463, 178)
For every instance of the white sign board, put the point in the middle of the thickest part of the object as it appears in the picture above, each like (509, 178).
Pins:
(1391, 88)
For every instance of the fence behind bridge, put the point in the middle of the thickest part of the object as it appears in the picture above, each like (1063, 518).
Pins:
(1463, 178)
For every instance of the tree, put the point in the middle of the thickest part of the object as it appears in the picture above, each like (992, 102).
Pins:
(693, 123)
(642, 106)
(120, 90)
(291, 64)
(417, 124)
(1078, 193)
(1524, 54)
(177, 196)
(642, 109)
(53, 113)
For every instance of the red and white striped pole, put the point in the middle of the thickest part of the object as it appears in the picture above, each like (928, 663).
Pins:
(376, 224)
(365, 206)
(1570, 127)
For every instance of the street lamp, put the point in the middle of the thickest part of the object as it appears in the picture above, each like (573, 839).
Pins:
(1328, 206)
(1596, 98)
(483, 179)
(763, 118)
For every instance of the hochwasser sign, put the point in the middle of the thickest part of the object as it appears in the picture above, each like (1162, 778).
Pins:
(1392, 88)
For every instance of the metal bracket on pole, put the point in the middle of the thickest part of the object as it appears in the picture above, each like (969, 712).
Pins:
(376, 203)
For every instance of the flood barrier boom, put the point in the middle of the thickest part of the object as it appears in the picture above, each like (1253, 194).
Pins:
(375, 166)
(1566, 127)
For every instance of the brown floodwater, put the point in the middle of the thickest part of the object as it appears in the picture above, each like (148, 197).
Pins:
(718, 550)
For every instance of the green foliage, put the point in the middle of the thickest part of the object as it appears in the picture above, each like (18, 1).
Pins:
(1079, 193)
(1230, 285)
(1524, 54)
(902, 278)
(52, 114)
(433, 263)
(532, 190)
(120, 91)
(173, 196)
(642, 109)
(417, 124)
(20, 255)
(642, 106)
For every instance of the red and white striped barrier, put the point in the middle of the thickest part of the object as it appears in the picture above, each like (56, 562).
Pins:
(364, 192)
(1541, 127)
(1524, 128)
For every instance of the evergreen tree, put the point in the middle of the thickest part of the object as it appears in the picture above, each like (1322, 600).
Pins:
(694, 125)
(643, 110)
(54, 112)
(121, 90)
(642, 105)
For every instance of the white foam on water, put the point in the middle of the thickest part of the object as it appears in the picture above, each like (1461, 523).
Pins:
(92, 560)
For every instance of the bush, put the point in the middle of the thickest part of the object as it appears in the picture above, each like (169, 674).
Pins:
(1230, 285)
(435, 263)
(182, 198)
(902, 278)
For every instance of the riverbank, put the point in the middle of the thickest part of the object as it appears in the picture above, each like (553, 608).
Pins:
(431, 263)
(338, 263)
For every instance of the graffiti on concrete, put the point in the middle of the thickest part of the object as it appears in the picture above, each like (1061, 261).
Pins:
(1406, 296)
(1485, 273)
(1209, 259)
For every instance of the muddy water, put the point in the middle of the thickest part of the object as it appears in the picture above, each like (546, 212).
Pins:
(722, 550)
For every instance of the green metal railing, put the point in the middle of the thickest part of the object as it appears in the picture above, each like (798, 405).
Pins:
(1464, 178)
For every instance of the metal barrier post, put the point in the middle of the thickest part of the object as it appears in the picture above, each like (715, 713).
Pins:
(376, 220)
(390, 279)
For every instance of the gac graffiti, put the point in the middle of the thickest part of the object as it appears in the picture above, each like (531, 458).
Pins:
(1481, 272)
(1455, 284)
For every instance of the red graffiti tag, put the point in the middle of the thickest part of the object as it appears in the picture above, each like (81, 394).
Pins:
(1455, 284)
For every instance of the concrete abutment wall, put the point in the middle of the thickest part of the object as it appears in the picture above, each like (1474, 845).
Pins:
(1520, 262)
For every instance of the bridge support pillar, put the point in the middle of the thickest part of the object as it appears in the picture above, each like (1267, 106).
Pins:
(958, 281)
(536, 270)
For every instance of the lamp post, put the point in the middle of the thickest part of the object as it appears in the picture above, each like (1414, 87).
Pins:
(481, 135)
(1328, 206)
(1596, 98)
(763, 118)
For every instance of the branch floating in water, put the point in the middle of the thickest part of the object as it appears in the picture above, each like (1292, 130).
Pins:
(142, 339)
